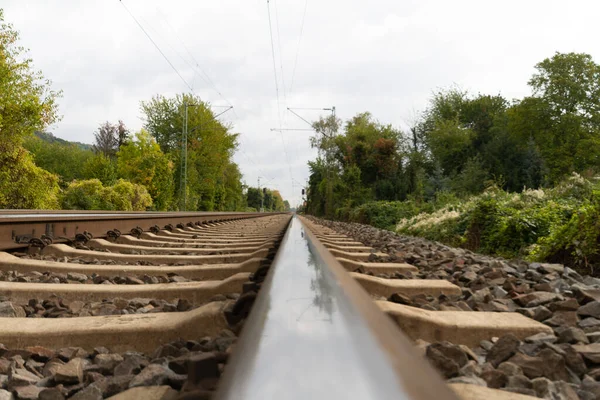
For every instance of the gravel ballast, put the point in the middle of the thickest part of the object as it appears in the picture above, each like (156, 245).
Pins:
(562, 365)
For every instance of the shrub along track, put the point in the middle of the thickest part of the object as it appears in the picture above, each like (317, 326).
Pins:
(116, 317)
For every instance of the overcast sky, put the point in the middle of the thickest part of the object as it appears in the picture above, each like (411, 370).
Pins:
(382, 56)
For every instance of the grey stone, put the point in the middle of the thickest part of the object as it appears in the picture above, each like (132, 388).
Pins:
(6, 395)
(588, 322)
(495, 378)
(544, 388)
(590, 385)
(550, 268)
(590, 352)
(147, 393)
(114, 384)
(527, 392)
(21, 377)
(74, 276)
(28, 392)
(129, 366)
(504, 348)
(562, 318)
(51, 367)
(471, 380)
(535, 299)
(7, 310)
(498, 292)
(91, 392)
(107, 362)
(154, 375)
(541, 337)
(51, 394)
(71, 372)
(573, 335)
(547, 363)
(591, 309)
(470, 369)
(519, 381)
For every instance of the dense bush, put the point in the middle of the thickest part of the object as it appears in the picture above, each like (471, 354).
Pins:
(92, 195)
(558, 225)
(382, 214)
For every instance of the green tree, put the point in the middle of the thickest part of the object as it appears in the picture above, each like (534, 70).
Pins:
(100, 167)
(141, 161)
(63, 159)
(563, 115)
(254, 197)
(27, 104)
(232, 196)
(210, 147)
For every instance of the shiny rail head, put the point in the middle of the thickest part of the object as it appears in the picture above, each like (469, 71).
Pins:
(313, 333)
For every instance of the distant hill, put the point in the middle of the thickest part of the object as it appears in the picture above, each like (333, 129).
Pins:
(50, 138)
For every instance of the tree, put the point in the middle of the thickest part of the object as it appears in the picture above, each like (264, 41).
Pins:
(163, 119)
(106, 140)
(563, 115)
(210, 147)
(254, 197)
(64, 160)
(27, 104)
(232, 198)
(122, 134)
(141, 161)
(570, 84)
(100, 167)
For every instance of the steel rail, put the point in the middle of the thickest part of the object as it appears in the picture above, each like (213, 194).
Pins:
(314, 333)
(17, 227)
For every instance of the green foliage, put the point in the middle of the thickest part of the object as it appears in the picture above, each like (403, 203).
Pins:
(27, 104)
(50, 138)
(93, 195)
(24, 185)
(383, 214)
(553, 224)
(270, 200)
(141, 161)
(127, 196)
(62, 158)
(100, 167)
(211, 183)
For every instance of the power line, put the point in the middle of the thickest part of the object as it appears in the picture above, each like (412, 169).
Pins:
(155, 45)
(280, 54)
(298, 47)
(277, 90)
(197, 67)
(274, 63)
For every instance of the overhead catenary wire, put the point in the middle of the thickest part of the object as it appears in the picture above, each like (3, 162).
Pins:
(277, 91)
(280, 54)
(298, 46)
(196, 65)
(156, 45)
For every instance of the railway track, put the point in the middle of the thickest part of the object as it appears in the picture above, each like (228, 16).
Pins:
(138, 306)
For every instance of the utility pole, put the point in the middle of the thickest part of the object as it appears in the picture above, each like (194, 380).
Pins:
(183, 164)
(184, 149)
(260, 193)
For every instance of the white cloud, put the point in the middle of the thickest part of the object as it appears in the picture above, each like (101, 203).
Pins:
(383, 56)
